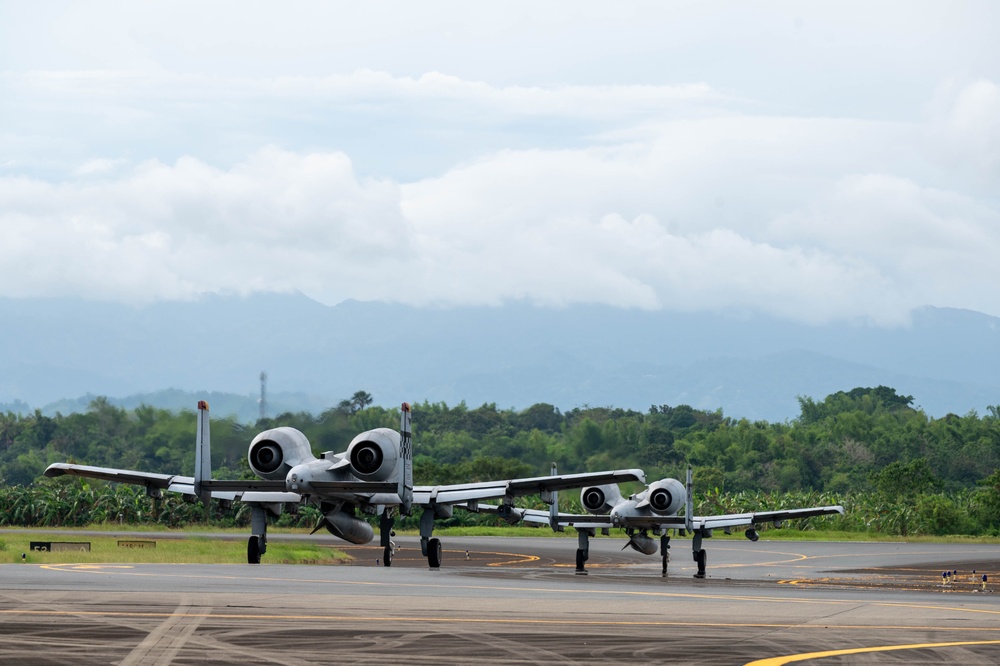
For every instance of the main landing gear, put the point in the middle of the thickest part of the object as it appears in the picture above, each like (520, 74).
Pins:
(430, 547)
(257, 543)
(385, 523)
(583, 552)
(700, 556)
(434, 552)
(256, 546)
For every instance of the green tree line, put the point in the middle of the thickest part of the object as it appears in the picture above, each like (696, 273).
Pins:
(895, 469)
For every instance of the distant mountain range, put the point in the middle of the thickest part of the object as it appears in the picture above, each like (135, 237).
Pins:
(53, 351)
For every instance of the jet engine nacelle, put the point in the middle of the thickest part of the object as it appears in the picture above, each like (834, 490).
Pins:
(274, 452)
(600, 499)
(511, 514)
(373, 454)
(666, 496)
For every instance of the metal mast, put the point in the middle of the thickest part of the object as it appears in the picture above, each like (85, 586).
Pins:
(263, 394)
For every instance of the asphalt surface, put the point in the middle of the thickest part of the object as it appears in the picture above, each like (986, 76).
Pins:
(518, 601)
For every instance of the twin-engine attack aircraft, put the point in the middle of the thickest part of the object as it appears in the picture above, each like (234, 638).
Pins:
(373, 477)
(653, 510)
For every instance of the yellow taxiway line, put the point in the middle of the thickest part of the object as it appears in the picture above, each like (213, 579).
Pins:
(791, 659)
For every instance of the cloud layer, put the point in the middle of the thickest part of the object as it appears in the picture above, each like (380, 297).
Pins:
(143, 180)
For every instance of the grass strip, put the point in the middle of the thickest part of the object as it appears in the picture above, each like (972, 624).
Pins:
(193, 550)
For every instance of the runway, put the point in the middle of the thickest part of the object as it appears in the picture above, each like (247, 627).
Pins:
(517, 601)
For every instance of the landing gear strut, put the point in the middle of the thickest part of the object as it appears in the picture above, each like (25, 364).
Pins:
(700, 556)
(583, 552)
(665, 552)
(257, 543)
(385, 523)
(430, 547)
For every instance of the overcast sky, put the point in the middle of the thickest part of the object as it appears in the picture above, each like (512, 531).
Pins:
(818, 161)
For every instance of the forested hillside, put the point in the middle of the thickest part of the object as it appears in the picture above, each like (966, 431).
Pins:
(901, 471)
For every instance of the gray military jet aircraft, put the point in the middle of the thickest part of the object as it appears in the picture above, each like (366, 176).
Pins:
(373, 477)
(655, 510)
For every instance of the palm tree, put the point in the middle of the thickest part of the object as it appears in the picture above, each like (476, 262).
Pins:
(360, 400)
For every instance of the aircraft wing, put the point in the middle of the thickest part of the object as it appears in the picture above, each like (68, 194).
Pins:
(466, 492)
(262, 491)
(541, 517)
(652, 520)
(171, 482)
(744, 519)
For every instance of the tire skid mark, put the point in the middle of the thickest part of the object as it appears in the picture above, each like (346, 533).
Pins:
(163, 643)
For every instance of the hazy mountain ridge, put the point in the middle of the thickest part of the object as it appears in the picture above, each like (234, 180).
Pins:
(516, 355)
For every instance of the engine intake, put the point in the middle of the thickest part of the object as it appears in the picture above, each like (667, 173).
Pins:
(373, 454)
(600, 499)
(274, 452)
(665, 496)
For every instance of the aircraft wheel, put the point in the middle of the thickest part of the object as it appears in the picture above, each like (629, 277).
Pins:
(253, 550)
(387, 556)
(434, 551)
(700, 557)
(581, 557)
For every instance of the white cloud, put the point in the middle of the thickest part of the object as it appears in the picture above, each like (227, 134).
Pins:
(977, 109)
(964, 121)
(431, 121)
(278, 221)
(549, 227)
(761, 213)
(152, 94)
(936, 247)
(777, 157)
(98, 166)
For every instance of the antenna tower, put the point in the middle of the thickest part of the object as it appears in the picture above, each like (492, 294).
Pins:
(263, 394)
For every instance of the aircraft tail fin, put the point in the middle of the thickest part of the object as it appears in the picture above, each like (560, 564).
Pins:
(689, 509)
(203, 455)
(405, 488)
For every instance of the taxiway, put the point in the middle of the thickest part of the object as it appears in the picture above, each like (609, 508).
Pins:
(517, 601)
